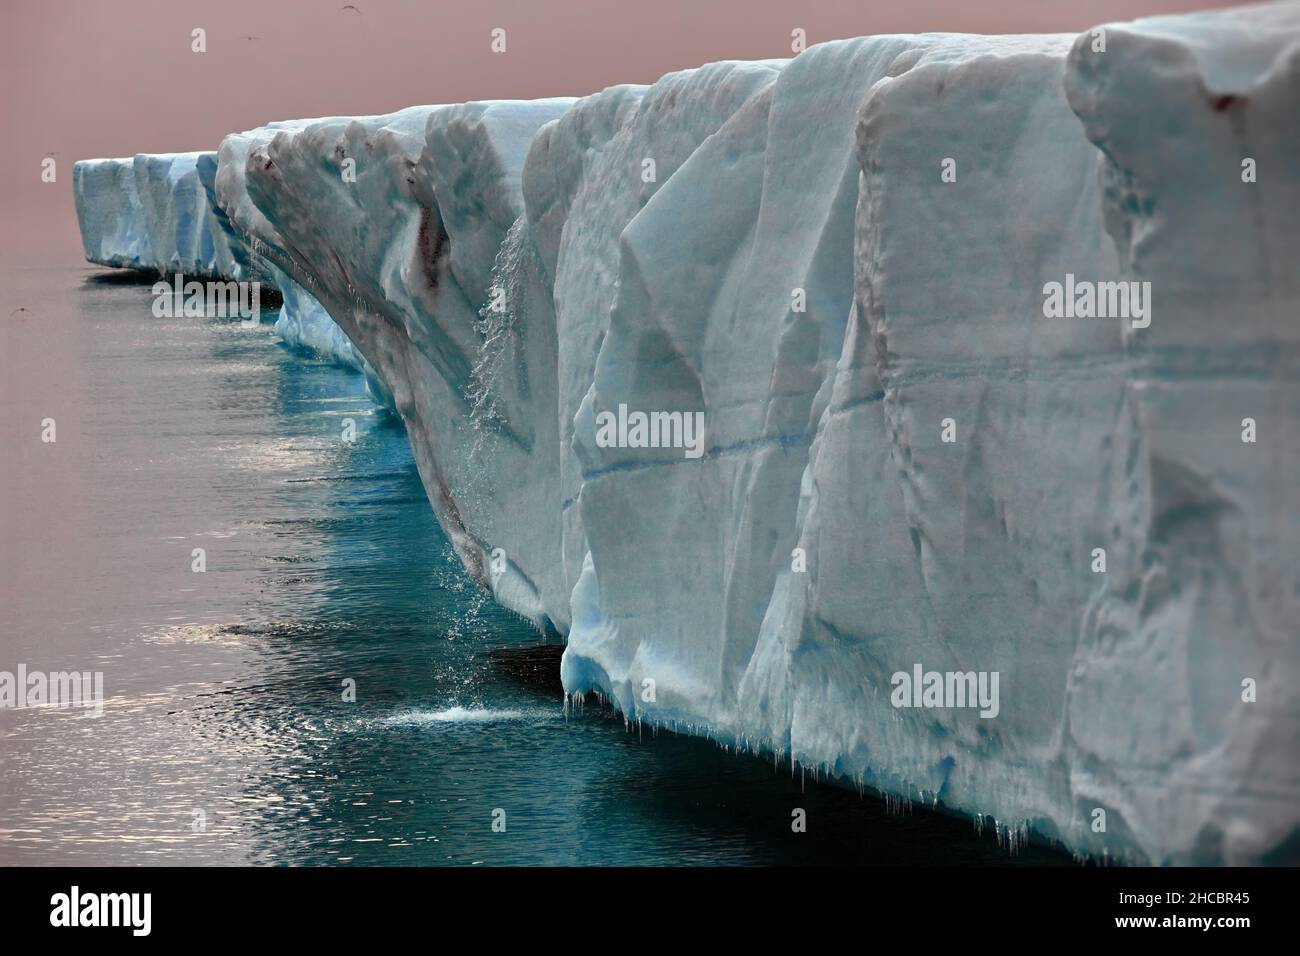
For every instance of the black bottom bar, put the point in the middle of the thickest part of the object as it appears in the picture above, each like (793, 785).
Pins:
(927, 905)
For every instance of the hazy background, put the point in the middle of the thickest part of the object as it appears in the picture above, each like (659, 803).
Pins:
(90, 78)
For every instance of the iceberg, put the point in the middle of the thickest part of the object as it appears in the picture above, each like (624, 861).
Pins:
(156, 213)
(109, 214)
(994, 344)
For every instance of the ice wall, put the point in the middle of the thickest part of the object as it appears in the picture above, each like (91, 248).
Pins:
(394, 223)
(1121, 691)
(765, 319)
(110, 215)
(842, 262)
(153, 213)
(157, 213)
(1201, 197)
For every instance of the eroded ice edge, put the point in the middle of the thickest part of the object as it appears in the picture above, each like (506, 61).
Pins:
(505, 271)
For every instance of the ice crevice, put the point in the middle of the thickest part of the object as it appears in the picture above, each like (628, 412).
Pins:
(840, 259)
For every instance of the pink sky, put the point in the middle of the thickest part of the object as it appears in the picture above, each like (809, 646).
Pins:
(89, 78)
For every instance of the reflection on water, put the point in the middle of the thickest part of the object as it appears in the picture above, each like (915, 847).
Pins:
(226, 736)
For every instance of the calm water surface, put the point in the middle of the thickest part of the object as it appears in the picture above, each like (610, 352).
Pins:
(225, 737)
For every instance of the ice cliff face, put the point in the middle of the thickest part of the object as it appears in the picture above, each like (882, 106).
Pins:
(835, 265)
(1200, 197)
(394, 224)
(157, 213)
(109, 212)
(911, 462)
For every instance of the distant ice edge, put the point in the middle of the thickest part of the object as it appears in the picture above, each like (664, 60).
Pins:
(840, 260)
(158, 214)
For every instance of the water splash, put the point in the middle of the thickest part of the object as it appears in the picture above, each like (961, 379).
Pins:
(500, 350)
(465, 715)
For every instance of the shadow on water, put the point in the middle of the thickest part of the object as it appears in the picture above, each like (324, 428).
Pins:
(747, 797)
(116, 277)
(536, 666)
(268, 297)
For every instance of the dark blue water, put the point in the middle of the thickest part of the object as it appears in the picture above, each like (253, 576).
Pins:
(226, 737)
